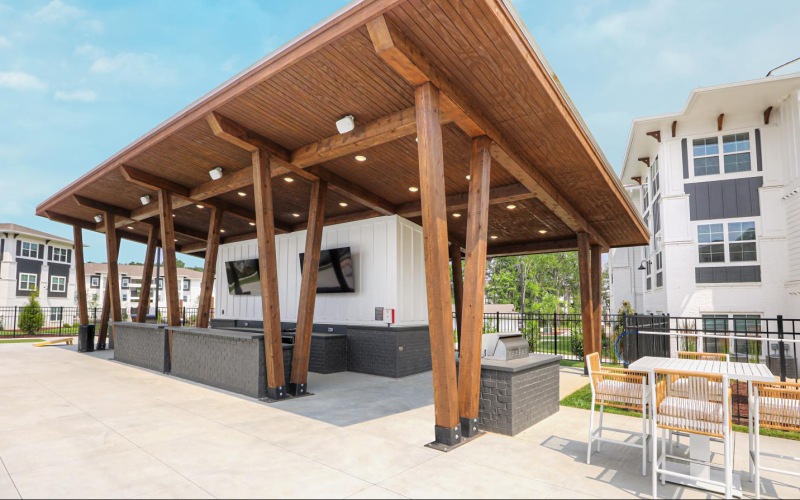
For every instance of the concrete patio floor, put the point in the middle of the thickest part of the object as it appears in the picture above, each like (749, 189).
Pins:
(76, 425)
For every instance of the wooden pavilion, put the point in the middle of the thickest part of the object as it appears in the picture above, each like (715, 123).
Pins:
(455, 110)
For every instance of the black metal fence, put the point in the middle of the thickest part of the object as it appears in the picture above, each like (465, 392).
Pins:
(60, 321)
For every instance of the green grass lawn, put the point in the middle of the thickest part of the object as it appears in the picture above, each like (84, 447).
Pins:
(19, 341)
(582, 398)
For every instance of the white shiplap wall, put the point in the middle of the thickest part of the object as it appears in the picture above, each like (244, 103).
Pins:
(388, 267)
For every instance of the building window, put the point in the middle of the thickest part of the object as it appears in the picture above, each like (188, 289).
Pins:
(736, 152)
(659, 269)
(648, 269)
(645, 198)
(95, 282)
(706, 156)
(124, 296)
(715, 324)
(187, 285)
(56, 313)
(30, 250)
(160, 283)
(747, 325)
(60, 255)
(742, 237)
(739, 245)
(655, 183)
(185, 299)
(27, 281)
(126, 281)
(134, 293)
(58, 284)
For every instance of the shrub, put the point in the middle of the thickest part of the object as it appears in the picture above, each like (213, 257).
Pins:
(31, 318)
(576, 339)
(530, 330)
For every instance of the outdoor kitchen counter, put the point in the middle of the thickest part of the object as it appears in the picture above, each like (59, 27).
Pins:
(229, 360)
(142, 344)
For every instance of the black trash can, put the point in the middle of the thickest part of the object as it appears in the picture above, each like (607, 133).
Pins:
(86, 338)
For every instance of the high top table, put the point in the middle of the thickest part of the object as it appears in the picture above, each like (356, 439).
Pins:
(699, 445)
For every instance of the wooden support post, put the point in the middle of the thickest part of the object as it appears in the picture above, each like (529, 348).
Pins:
(597, 299)
(147, 275)
(80, 276)
(584, 270)
(105, 314)
(308, 289)
(268, 271)
(458, 287)
(112, 242)
(209, 269)
(434, 229)
(469, 377)
(170, 262)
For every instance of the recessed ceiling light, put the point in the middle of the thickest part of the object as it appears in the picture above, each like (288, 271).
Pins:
(494, 236)
(295, 215)
(242, 193)
(130, 227)
(199, 206)
(342, 204)
(361, 158)
(176, 240)
(221, 230)
(543, 231)
(413, 189)
(252, 223)
(173, 215)
(469, 177)
(288, 179)
(511, 207)
(456, 215)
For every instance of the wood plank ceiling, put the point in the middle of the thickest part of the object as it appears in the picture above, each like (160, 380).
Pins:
(300, 103)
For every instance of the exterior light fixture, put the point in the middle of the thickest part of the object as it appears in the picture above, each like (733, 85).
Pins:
(361, 158)
(130, 227)
(252, 223)
(342, 204)
(642, 267)
(288, 179)
(173, 215)
(543, 231)
(145, 199)
(346, 124)
(175, 240)
(494, 236)
(511, 207)
(215, 173)
(98, 218)
(242, 193)
(413, 189)
(469, 177)
(456, 215)
(199, 206)
(295, 215)
(221, 230)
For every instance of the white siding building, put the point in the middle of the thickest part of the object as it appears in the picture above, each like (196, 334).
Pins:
(33, 260)
(719, 186)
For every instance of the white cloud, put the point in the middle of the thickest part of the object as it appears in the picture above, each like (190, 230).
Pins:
(4, 42)
(18, 80)
(75, 95)
(140, 67)
(57, 11)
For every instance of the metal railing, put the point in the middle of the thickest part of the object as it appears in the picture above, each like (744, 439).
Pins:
(60, 321)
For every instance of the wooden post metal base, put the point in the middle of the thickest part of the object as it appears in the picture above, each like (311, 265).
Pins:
(277, 393)
(469, 427)
(298, 389)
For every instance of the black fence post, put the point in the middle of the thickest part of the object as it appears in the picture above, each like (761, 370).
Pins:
(184, 317)
(497, 321)
(781, 353)
(14, 328)
(554, 331)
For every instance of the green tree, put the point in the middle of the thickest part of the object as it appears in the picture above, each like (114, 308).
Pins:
(31, 318)
(180, 264)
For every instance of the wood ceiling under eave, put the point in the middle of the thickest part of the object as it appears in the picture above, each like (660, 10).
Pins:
(300, 105)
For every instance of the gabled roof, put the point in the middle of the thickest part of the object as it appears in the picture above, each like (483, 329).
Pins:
(706, 103)
(26, 231)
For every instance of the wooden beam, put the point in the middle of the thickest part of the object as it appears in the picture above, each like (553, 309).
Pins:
(209, 269)
(113, 292)
(105, 313)
(170, 262)
(198, 247)
(101, 207)
(411, 64)
(597, 298)
(458, 287)
(502, 194)
(434, 229)
(767, 114)
(268, 270)
(674, 127)
(154, 182)
(147, 274)
(339, 219)
(720, 120)
(80, 275)
(308, 290)
(585, 275)
(354, 192)
(655, 134)
(469, 377)
(72, 221)
(229, 182)
(534, 247)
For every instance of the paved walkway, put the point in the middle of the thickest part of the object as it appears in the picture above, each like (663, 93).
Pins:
(82, 426)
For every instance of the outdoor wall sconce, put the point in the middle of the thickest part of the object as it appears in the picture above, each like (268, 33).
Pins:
(215, 173)
(145, 199)
(642, 266)
(346, 124)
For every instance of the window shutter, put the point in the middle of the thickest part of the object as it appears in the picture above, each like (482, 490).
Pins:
(49, 253)
(19, 247)
(41, 251)
(685, 153)
(69, 256)
(758, 150)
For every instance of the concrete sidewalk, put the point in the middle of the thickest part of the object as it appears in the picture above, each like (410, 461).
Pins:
(77, 425)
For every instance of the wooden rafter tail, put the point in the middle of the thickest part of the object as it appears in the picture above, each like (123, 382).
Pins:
(767, 114)
(674, 127)
(720, 121)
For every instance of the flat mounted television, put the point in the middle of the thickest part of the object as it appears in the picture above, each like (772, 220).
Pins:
(243, 277)
(335, 271)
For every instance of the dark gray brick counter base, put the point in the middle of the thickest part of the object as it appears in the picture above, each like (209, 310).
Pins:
(389, 352)
(512, 401)
(142, 345)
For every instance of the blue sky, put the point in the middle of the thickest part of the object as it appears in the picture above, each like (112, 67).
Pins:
(79, 80)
